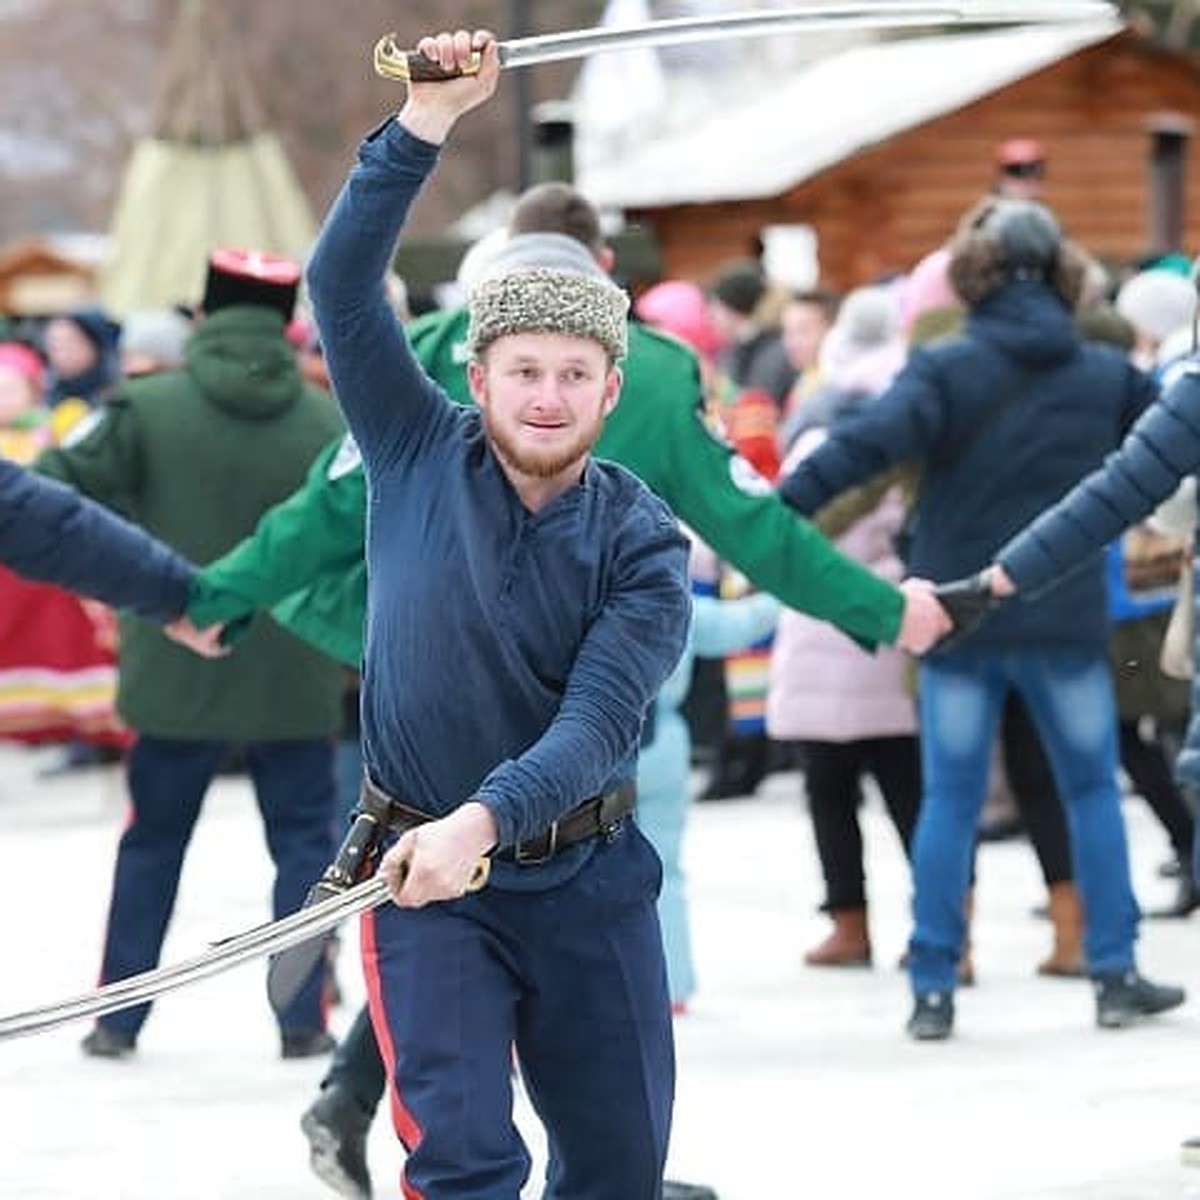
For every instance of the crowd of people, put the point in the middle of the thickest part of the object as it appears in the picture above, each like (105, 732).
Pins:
(504, 576)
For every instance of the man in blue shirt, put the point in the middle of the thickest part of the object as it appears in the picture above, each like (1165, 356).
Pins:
(526, 602)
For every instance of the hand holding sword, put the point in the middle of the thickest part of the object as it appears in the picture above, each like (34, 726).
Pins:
(429, 111)
(443, 860)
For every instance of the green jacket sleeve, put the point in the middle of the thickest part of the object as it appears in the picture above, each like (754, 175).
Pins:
(316, 534)
(658, 431)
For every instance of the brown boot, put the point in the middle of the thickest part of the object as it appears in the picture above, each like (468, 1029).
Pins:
(1066, 916)
(966, 967)
(848, 945)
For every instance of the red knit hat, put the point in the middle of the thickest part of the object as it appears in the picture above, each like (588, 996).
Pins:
(1020, 152)
(680, 307)
(251, 277)
(24, 360)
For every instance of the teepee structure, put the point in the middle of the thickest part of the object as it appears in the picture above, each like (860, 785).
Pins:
(210, 174)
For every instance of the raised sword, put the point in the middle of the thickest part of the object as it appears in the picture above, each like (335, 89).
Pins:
(394, 62)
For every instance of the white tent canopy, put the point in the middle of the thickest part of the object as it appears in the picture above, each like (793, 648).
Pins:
(210, 175)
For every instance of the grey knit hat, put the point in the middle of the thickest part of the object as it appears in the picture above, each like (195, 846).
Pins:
(547, 283)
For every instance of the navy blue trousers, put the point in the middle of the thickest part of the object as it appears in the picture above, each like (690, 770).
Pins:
(572, 976)
(294, 786)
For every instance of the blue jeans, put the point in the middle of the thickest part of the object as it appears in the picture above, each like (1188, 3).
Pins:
(1069, 696)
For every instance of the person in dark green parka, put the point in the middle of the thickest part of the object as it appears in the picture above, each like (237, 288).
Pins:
(195, 457)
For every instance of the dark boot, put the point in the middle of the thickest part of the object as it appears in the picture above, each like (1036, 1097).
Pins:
(1124, 997)
(1189, 1152)
(306, 1043)
(687, 1191)
(932, 1017)
(103, 1042)
(1066, 915)
(848, 944)
(1187, 899)
(336, 1126)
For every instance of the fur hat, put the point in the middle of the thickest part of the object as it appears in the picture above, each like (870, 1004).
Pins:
(1157, 302)
(547, 283)
(251, 277)
(1002, 239)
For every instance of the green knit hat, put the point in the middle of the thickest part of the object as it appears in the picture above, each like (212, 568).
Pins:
(545, 300)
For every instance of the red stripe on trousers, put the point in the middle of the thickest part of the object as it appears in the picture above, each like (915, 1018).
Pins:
(405, 1124)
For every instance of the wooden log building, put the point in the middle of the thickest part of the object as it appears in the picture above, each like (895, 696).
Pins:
(880, 149)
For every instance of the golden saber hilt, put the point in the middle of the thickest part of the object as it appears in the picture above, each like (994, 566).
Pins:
(407, 66)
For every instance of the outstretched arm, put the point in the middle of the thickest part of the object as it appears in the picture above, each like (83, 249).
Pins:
(661, 436)
(50, 533)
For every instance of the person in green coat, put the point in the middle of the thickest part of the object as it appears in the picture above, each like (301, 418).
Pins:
(196, 456)
(305, 564)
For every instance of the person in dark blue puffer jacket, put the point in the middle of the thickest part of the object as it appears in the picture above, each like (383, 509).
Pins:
(1004, 418)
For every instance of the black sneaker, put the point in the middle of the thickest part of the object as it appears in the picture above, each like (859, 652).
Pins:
(336, 1126)
(1125, 997)
(306, 1043)
(932, 1017)
(103, 1042)
(1189, 1152)
(687, 1191)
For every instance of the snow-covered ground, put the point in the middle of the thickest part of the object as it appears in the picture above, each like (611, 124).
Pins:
(793, 1082)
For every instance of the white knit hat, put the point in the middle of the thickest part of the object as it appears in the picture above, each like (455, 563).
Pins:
(1157, 302)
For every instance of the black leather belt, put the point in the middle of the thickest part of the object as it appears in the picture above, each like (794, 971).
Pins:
(601, 816)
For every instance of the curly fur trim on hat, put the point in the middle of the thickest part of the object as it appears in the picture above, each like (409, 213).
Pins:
(996, 243)
(541, 300)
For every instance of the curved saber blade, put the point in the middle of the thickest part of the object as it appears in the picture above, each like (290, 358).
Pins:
(393, 62)
(254, 943)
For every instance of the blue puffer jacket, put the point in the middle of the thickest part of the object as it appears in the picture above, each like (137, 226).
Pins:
(1004, 418)
(1161, 450)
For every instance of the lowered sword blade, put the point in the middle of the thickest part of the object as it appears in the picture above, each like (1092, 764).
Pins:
(393, 62)
(254, 943)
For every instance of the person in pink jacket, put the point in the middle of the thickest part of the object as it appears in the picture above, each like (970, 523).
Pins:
(851, 712)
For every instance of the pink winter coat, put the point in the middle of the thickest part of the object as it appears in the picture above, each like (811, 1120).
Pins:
(823, 686)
